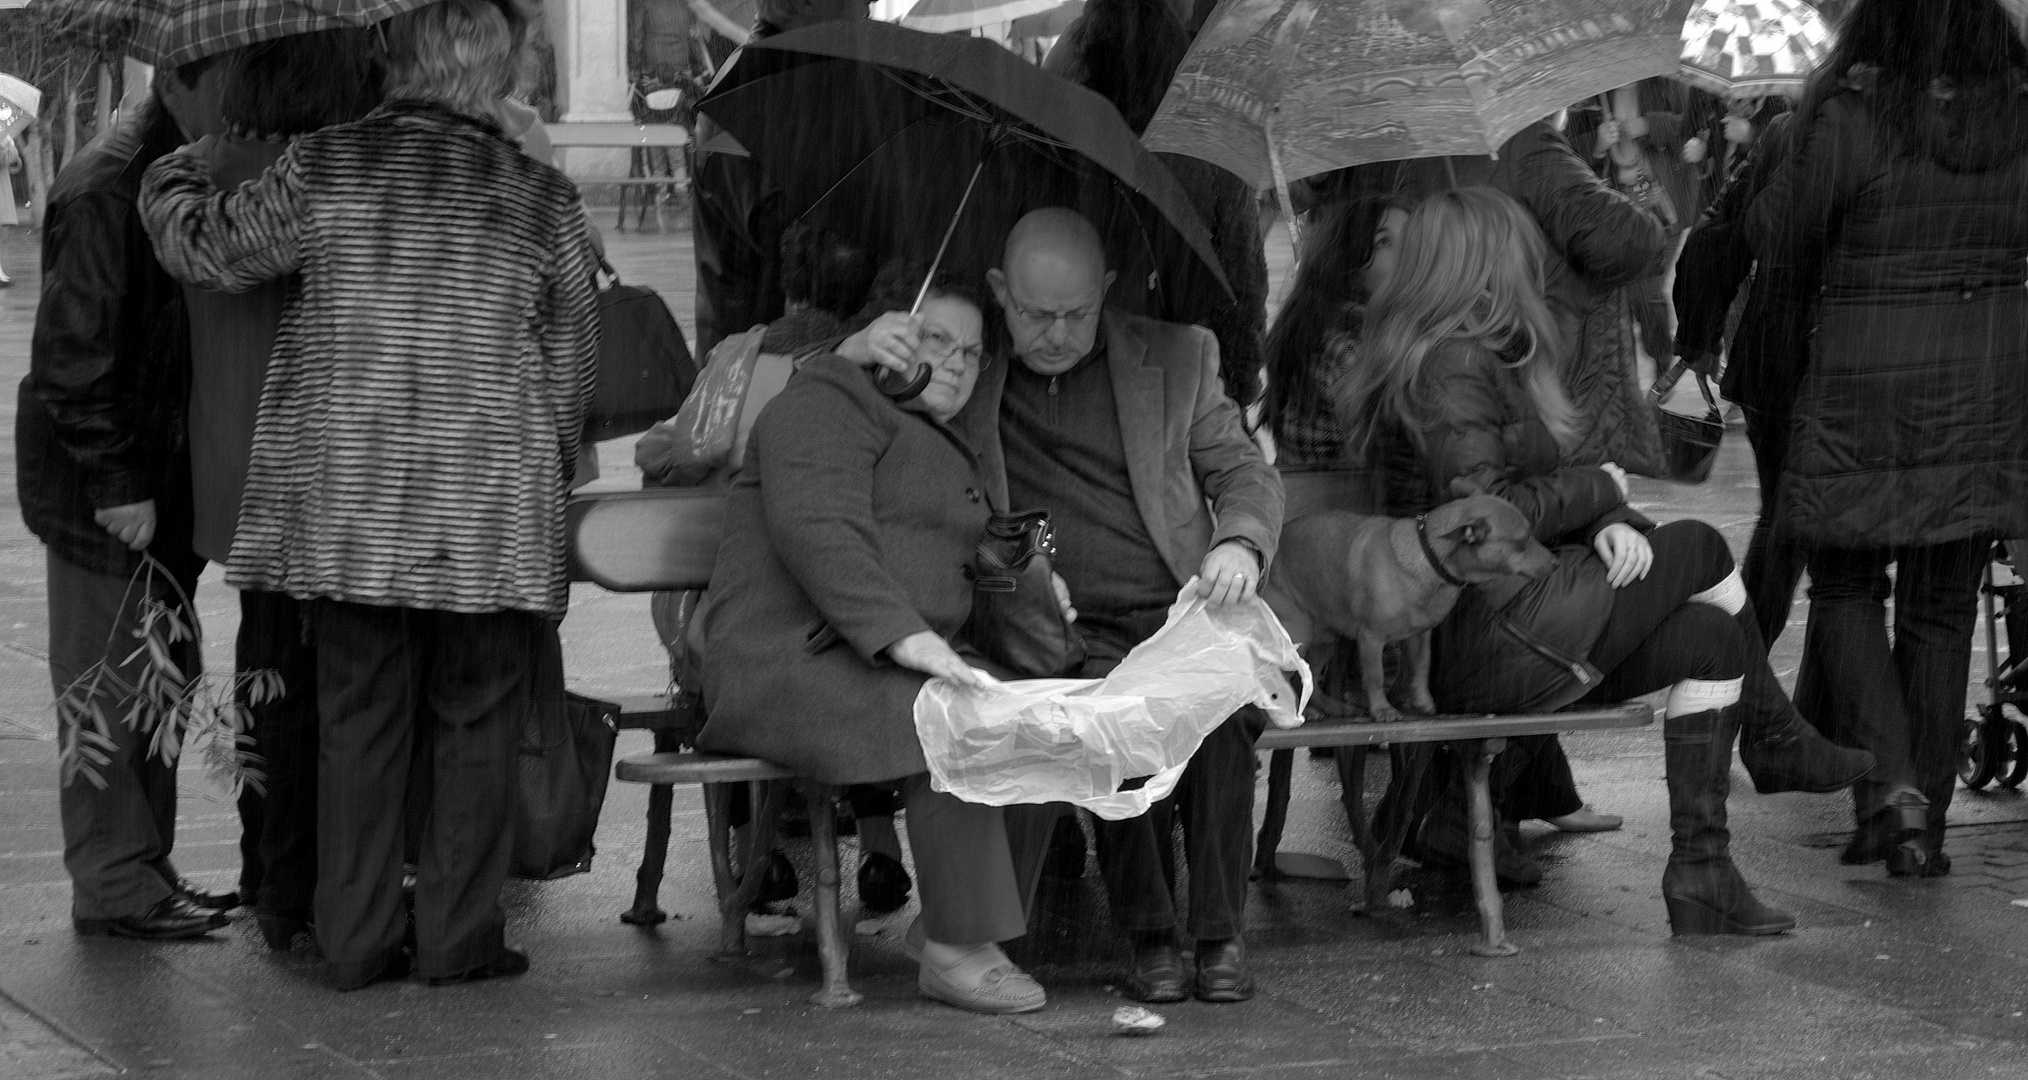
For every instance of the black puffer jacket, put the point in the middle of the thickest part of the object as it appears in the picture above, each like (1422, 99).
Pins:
(1911, 423)
(100, 421)
(1492, 436)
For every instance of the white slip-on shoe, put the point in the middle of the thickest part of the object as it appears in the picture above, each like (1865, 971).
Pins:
(985, 981)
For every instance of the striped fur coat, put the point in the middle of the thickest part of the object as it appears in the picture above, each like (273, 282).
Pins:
(435, 358)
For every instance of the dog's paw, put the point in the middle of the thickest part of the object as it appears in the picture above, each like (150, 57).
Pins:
(1422, 704)
(1385, 713)
(1325, 707)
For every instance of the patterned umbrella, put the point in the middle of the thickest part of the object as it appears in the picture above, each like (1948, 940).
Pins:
(1319, 86)
(19, 101)
(1752, 45)
(175, 32)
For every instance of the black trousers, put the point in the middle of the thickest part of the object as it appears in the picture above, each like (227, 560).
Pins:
(116, 839)
(278, 825)
(382, 674)
(1774, 561)
(1904, 701)
(1213, 801)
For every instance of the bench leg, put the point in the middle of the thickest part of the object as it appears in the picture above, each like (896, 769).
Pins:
(1281, 764)
(655, 848)
(1351, 762)
(1404, 785)
(832, 947)
(1485, 888)
(718, 835)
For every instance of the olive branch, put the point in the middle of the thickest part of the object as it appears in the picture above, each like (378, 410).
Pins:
(174, 709)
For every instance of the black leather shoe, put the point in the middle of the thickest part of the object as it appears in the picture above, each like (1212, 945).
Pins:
(508, 963)
(1221, 971)
(778, 879)
(209, 901)
(1915, 859)
(1897, 825)
(171, 918)
(1157, 975)
(883, 883)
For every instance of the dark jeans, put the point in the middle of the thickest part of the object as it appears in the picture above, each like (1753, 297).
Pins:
(1654, 310)
(1213, 800)
(278, 825)
(116, 839)
(1906, 701)
(1774, 561)
(382, 674)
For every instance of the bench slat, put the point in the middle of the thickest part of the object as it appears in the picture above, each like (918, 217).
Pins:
(1452, 728)
(696, 767)
(643, 541)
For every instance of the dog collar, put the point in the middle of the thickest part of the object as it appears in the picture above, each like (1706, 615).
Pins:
(1429, 552)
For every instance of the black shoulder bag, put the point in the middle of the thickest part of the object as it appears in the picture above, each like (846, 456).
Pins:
(1016, 621)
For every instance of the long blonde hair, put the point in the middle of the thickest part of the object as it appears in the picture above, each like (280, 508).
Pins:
(1470, 268)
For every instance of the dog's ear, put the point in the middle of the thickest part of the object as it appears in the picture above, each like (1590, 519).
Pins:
(1464, 488)
(1472, 533)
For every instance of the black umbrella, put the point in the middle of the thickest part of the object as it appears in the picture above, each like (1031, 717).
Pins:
(932, 146)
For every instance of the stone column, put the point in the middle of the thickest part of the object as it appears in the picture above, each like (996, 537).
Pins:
(590, 37)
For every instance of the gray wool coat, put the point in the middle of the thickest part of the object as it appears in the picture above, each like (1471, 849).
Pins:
(848, 529)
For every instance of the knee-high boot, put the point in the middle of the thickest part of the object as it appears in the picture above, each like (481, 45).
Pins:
(1702, 888)
(1781, 750)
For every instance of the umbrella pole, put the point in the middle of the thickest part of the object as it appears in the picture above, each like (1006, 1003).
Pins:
(1281, 182)
(949, 231)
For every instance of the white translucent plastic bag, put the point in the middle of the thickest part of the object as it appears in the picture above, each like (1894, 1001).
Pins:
(1077, 740)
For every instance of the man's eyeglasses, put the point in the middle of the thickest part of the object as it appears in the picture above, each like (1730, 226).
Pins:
(1072, 319)
(944, 346)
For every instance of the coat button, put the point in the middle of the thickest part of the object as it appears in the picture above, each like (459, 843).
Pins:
(972, 494)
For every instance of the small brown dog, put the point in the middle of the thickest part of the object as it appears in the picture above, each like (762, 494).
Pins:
(1353, 577)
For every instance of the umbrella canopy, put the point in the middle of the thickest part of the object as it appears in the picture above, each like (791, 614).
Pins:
(19, 102)
(1752, 45)
(1358, 81)
(1049, 23)
(876, 131)
(946, 16)
(176, 32)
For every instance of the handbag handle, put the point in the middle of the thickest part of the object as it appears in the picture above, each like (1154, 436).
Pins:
(1667, 381)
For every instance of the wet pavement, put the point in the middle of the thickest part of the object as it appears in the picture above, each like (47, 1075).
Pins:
(1882, 978)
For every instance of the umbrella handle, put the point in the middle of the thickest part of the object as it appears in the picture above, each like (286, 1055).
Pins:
(919, 382)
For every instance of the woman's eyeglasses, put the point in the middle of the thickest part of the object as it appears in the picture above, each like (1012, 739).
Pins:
(943, 346)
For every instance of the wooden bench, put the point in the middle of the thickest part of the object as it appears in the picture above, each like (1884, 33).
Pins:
(666, 540)
(1477, 738)
(647, 144)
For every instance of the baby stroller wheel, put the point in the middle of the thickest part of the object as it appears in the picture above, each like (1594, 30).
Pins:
(2015, 769)
(1975, 754)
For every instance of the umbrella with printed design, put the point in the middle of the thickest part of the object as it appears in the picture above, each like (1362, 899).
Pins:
(1734, 46)
(176, 32)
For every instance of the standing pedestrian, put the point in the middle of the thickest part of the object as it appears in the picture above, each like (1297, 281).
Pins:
(412, 451)
(1908, 197)
(104, 482)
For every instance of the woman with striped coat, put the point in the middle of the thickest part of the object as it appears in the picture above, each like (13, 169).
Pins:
(411, 454)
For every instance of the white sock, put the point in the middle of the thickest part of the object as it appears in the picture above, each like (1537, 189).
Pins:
(1693, 696)
(1728, 596)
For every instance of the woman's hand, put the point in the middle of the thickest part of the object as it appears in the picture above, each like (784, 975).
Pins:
(1619, 476)
(1063, 597)
(933, 656)
(1230, 574)
(1694, 151)
(1628, 555)
(889, 341)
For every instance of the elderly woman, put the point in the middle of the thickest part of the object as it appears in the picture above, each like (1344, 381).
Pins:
(839, 590)
(411, 450)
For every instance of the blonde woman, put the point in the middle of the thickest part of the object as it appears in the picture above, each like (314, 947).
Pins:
(1457, 386)
(411, 452)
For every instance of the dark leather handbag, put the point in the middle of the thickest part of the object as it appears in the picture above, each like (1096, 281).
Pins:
(645, 366)
(1689, 443)
(566, 758)
(1016, 621)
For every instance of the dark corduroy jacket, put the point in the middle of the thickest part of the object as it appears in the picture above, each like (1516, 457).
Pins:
(101, 414)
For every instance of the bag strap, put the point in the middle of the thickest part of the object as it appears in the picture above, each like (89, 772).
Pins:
(1667, 381)
(612, 275)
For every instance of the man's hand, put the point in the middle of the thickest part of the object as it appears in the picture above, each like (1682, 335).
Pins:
(933, 656)
(133, 524)
(1063, 597)
(888, 342)
(1230, 575)
(1628, 555)
(1694, 151)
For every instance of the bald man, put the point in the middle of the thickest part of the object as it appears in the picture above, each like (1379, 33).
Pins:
(1119, 426)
